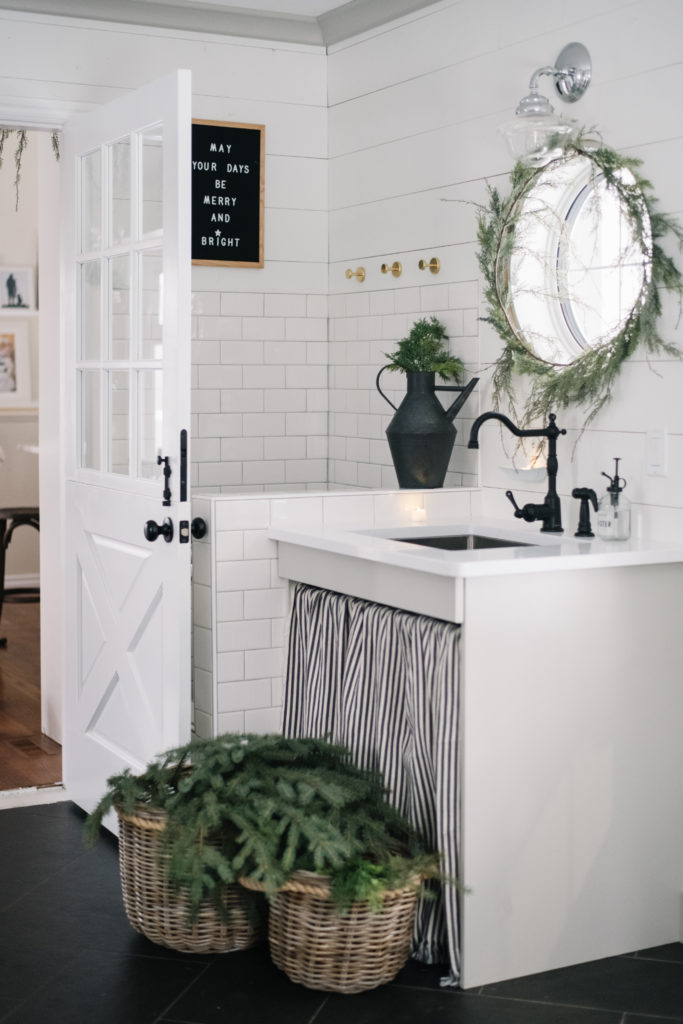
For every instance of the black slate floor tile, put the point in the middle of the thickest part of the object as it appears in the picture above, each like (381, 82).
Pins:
(68, 954)
(626, 984)
(408, 1006)
(673, 952)
(106, 988)
(418, 975)
(54, 918)
(633, 1018)
(35, 844)
(245, 988)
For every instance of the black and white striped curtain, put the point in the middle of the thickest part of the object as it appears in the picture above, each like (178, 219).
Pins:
(384, 683)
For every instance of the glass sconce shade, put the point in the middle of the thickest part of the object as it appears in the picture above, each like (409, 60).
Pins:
(538, 139)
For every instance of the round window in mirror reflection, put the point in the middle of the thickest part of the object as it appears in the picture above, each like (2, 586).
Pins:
(575, 269)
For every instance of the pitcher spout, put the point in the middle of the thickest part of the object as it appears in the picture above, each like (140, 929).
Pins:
(465, 392)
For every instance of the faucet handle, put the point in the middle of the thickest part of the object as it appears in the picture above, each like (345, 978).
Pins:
(520, 513)
(530, 513)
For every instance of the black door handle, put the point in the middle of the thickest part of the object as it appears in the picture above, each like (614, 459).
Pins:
(152, 530)
(198, 528)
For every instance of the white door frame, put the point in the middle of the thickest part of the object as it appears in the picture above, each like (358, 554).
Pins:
(50, 447)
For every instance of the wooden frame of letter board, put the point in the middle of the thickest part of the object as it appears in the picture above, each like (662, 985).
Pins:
(262, 195)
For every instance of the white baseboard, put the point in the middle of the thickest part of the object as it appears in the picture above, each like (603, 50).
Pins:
(32, 796)
(25, 579)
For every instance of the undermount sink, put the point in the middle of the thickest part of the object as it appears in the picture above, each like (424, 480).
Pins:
(462, 542)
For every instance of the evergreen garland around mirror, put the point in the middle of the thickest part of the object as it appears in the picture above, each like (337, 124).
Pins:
(587, 382)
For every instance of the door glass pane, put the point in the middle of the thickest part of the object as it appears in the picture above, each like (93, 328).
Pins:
(152, 180)
(90, 341)
(120, 306)
(151, 304)
(120, 191)
(91, 196)
(90, 405)
(119, 433)
(150, 422)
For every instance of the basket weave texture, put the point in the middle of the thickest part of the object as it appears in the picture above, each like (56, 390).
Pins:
(161, 913)
(317, 947)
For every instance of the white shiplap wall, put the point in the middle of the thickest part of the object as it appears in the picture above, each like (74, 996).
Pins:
(412, 122)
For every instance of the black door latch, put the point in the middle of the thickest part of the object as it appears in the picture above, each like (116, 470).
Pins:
(163, 460)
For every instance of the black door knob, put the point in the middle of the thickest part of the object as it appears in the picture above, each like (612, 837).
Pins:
(152, 530)
(198, 528)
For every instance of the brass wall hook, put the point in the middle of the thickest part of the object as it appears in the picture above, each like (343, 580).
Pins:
(358, 273)
(394, 268)
(434, 265)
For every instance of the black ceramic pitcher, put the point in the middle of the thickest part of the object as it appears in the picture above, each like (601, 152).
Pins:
(421, 435)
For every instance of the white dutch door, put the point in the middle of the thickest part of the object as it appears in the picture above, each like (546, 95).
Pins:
(126, 338)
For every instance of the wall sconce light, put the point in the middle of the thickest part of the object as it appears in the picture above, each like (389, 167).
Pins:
(358, 273)
(394, 268)
(536, 135)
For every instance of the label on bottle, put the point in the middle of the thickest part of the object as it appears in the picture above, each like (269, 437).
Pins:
(613, 523)
(605, 525)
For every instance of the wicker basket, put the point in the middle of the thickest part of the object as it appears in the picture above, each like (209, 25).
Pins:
(317, 947)
(159, 912)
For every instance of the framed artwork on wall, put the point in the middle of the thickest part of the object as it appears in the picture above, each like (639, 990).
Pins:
(228, 193)
(15, 366)
(17, 289)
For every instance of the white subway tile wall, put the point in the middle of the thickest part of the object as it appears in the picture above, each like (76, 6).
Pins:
(282, 406)
(241, 603)
(364, 328)
(259, 395)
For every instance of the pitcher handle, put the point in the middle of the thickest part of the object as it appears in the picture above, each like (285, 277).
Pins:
(379, 388)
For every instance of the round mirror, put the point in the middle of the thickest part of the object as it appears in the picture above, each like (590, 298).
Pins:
(577, 264)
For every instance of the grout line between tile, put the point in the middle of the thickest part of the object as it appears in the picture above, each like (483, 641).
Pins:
(41, 986)
(322, 1005)
(165, 1013)
(44, 881)
(545, 1002)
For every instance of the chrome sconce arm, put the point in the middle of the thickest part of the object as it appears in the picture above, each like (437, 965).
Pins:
(536, 134)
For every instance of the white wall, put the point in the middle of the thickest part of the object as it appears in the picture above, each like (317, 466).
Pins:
(412, 122)
(19, 247)
(259, 336)
(411, 111)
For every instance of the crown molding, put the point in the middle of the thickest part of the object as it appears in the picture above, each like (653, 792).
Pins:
(358, 16)
(207, 20)
(347, 20)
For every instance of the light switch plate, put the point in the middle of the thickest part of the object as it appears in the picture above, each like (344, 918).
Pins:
(656, 452)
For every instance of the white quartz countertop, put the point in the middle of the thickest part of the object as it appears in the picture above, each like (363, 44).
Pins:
(542, 553)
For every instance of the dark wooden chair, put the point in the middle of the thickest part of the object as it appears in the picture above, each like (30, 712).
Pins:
(10, 520)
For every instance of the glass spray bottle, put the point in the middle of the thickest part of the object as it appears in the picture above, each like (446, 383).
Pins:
(614, 511)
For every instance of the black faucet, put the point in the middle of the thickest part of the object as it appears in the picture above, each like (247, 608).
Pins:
(550, 512)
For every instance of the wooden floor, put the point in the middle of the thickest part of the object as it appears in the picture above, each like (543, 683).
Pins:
(27, 758)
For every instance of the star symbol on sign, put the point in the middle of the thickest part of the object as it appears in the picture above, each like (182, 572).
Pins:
(218, 233)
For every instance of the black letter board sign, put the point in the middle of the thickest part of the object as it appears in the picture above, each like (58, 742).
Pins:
(228, 175)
